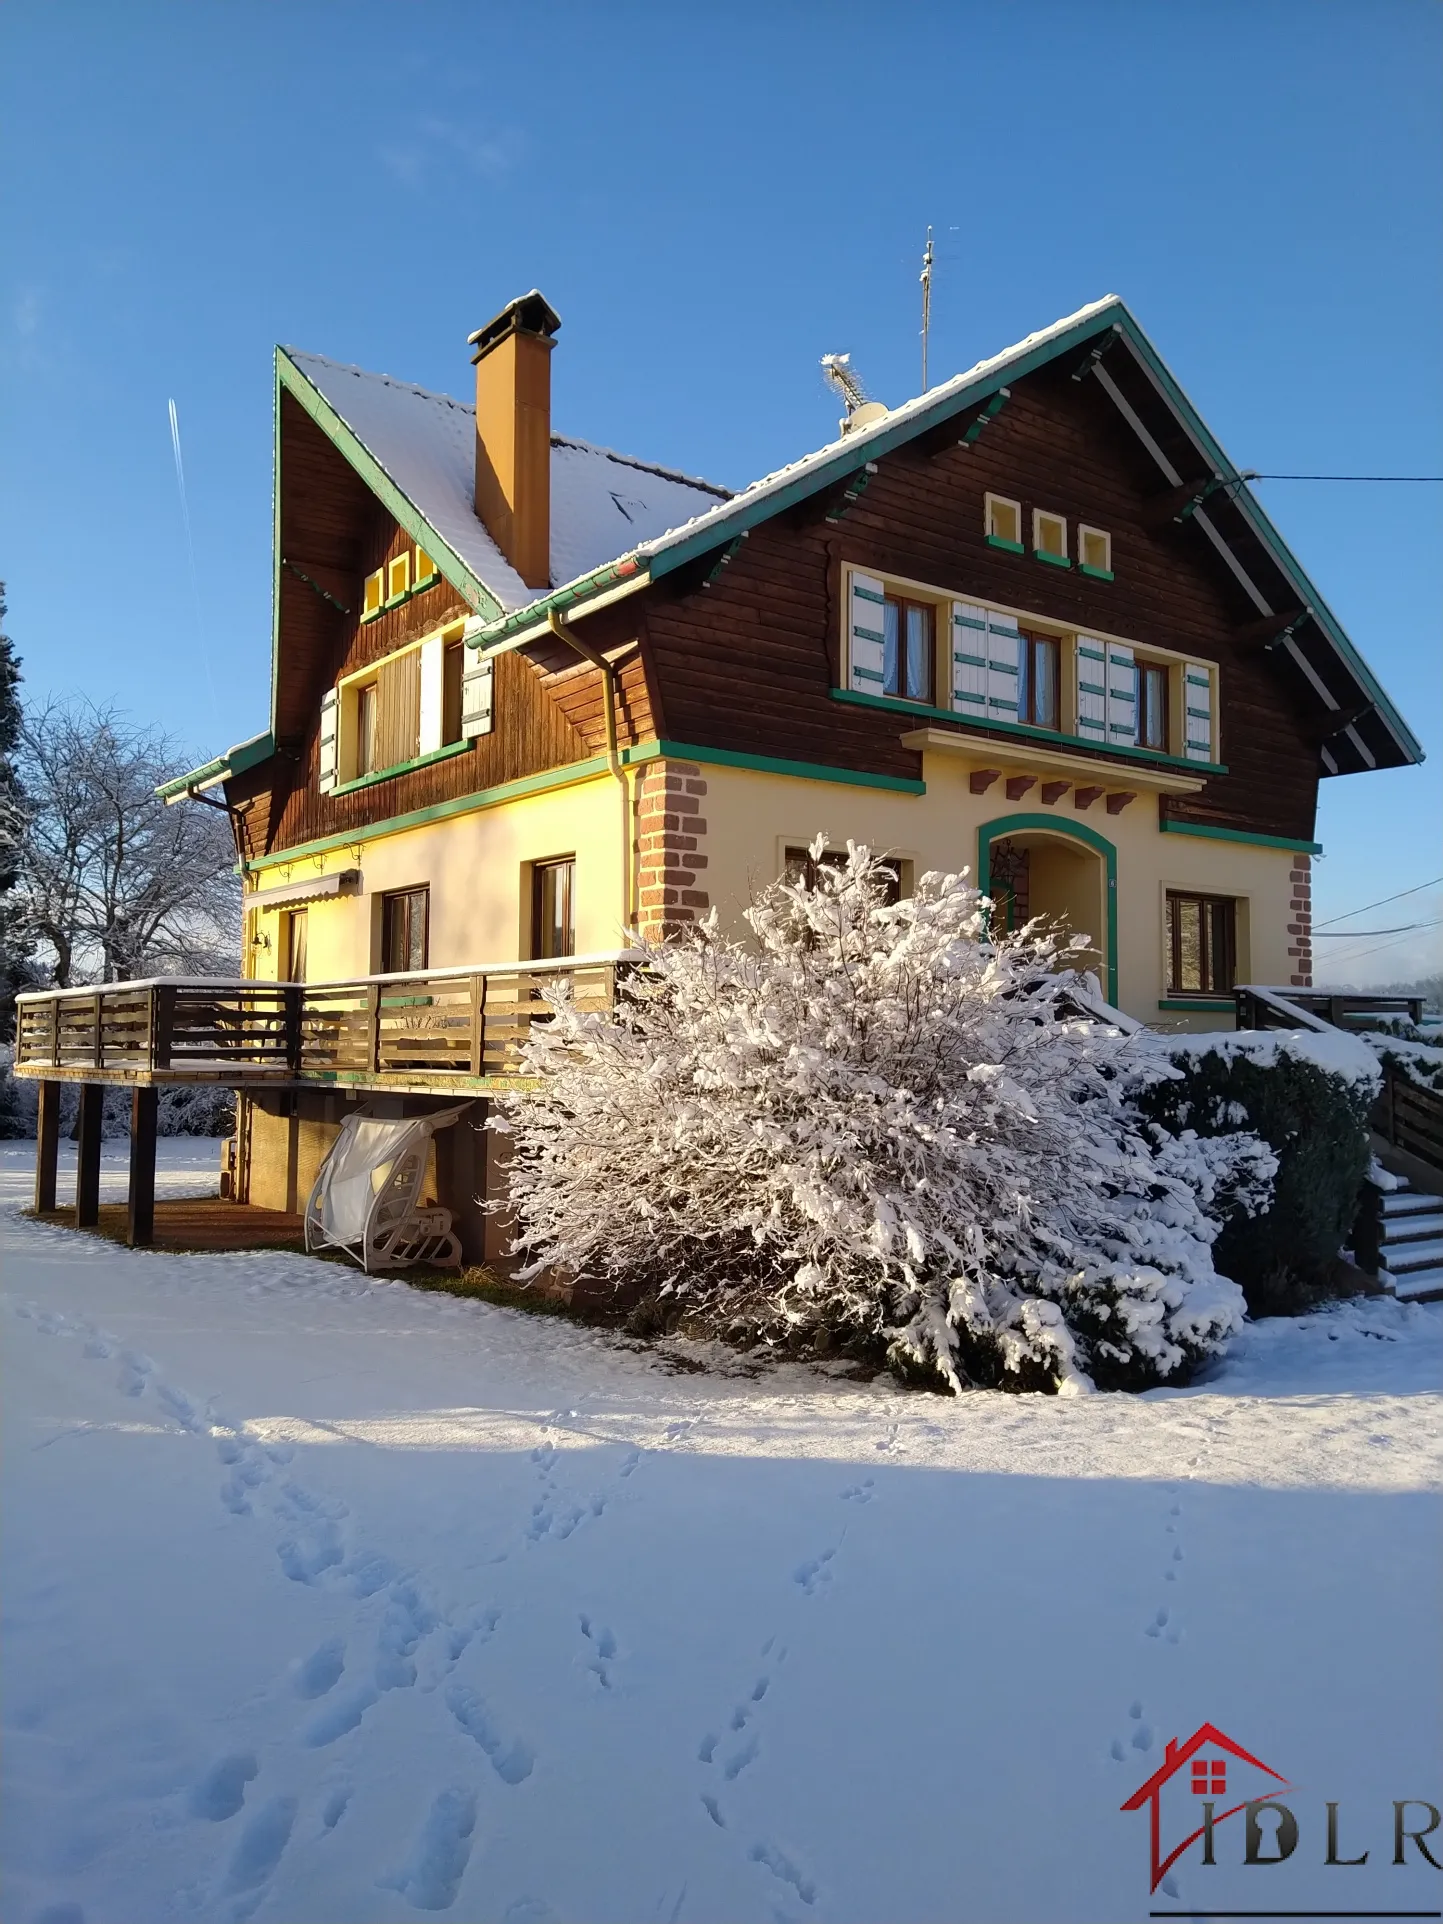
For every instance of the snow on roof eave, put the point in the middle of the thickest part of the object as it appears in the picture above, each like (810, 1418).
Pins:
(664, 553)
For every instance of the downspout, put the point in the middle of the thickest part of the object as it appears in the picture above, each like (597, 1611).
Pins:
(563, 632)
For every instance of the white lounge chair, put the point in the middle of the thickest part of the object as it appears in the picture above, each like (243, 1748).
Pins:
(366, 1197)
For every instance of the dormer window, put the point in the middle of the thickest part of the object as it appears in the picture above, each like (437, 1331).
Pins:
(373, 597)
(1094, 553)
(424, 572)
(1049, 538)
(1002, 520)
(398, 579)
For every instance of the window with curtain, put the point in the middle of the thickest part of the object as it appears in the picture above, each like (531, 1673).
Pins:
(1152, 731)
(907, 648)
(553, 908)
(1201, 944)
(405, 930)
(1039, 663)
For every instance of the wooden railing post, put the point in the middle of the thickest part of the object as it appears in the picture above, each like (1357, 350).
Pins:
(55, 1033)
(87, 1155)
(294, 993)
(478, 1025)
(98, 1004)
(140, 1198)
(373, 1027)
(162, 1024)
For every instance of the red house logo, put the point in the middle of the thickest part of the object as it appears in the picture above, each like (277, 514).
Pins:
(1207, 1768)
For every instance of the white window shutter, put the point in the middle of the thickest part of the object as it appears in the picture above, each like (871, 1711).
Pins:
(1121, 696)
(433, 695)
(1091, 659)
(969, 660)
(477, 694)
(1004, 647)
(330, 755)
(1199, 734)
(865, 635)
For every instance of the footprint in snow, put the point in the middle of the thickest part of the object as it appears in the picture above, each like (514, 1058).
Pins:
(334, 1808)
(629, 1462)
(432, 1875)
(604, 1645)
(781, 1866)
(513, 1764)
(1158, 1624)
(859, 1492)
(813, 1575)
(221, 1792)
(713, 1811)
(736, 1764)
(259, 1849)
(321, 1671)
(338, 1718)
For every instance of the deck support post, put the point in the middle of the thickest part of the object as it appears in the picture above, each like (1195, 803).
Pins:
(47, 1144)
(140, 1214)
(87, 1155)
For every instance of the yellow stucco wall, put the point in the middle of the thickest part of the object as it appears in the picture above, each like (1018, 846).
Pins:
(476, 867)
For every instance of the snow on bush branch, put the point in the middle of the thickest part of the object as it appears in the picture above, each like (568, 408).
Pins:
(873, 1126)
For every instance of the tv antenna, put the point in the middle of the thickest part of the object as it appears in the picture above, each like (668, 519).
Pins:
(926, 278)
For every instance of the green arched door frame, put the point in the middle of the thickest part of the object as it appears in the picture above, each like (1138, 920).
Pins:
(1005, 825)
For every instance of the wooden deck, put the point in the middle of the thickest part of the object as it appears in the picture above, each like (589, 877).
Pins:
(197, 1225)
(430, 1031)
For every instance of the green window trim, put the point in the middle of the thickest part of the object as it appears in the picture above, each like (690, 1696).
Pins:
(1051, 736)
(1095, 574)
(1058, 825)
(1052, 560)
(1199, 1005)
(402, 768)
(1212, 834)
(1001, 541)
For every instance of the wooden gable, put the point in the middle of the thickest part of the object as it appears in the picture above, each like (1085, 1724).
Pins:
(751, 662)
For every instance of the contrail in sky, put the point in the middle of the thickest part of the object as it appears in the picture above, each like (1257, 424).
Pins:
(190, 549)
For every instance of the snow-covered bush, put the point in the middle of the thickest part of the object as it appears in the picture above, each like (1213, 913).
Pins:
(870, 1128)
(1309, 1096)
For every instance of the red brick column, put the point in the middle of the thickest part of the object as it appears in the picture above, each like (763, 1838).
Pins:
(671, 833)
(1300, 923)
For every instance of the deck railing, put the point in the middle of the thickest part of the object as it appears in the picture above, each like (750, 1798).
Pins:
(433, 1027)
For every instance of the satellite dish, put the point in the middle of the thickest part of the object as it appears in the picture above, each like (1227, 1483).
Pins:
(866, 416)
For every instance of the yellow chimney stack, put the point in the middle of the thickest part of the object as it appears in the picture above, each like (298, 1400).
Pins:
(513, 433)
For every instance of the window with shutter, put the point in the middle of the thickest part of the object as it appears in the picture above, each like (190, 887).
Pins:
(1121, 696)
(1004, 649)
(969, 660)
(329, 764)
(1199, 734)
(477, 695)
(432, 733)
(1091, 659)
(866, 635)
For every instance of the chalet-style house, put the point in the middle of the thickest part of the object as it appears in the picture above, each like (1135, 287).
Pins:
(528, 695)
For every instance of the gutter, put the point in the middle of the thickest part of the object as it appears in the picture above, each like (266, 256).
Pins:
(235, 761)
(560, 629)
(598, 589)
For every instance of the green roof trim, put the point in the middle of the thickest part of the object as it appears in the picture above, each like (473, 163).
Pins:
(771, 765)
(1240, 835)
(222, 768)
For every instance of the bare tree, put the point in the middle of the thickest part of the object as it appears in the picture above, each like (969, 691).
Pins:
(114, 883)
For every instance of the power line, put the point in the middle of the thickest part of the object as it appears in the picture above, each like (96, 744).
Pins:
(1342, 477)
(1382, 902)
(1357, 935)
(1346, 957)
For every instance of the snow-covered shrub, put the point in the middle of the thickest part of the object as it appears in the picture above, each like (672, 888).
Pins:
(1308, 1096)
(870, 1128)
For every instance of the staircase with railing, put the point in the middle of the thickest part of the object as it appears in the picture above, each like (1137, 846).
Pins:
(1399, 1231)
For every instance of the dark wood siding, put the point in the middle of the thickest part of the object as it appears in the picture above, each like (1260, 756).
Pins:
(749, 663)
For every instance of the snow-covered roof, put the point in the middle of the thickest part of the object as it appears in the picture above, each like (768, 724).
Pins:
(602, 504)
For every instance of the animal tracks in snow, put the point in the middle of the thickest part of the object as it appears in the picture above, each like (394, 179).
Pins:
(432, 1874)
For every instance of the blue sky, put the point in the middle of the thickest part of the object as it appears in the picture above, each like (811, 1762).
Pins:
(711, 197)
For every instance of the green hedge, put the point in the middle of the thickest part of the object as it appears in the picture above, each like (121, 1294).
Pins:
(1308, 1096)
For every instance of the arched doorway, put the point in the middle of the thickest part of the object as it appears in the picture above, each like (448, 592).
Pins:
(1046, 865)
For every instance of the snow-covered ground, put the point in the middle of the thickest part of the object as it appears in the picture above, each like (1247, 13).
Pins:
(331, 1601)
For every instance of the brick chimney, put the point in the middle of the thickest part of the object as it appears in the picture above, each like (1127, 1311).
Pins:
(513, 433)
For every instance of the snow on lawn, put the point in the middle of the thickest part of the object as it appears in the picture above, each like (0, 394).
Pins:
(327, 1600)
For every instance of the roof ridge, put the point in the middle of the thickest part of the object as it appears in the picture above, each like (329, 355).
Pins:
(469, 407)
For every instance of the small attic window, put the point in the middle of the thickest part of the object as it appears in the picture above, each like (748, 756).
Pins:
(374, 595)
(398, 578)
(1002, 520)
(1049, 538)
(425, 570)
(1094, 553)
